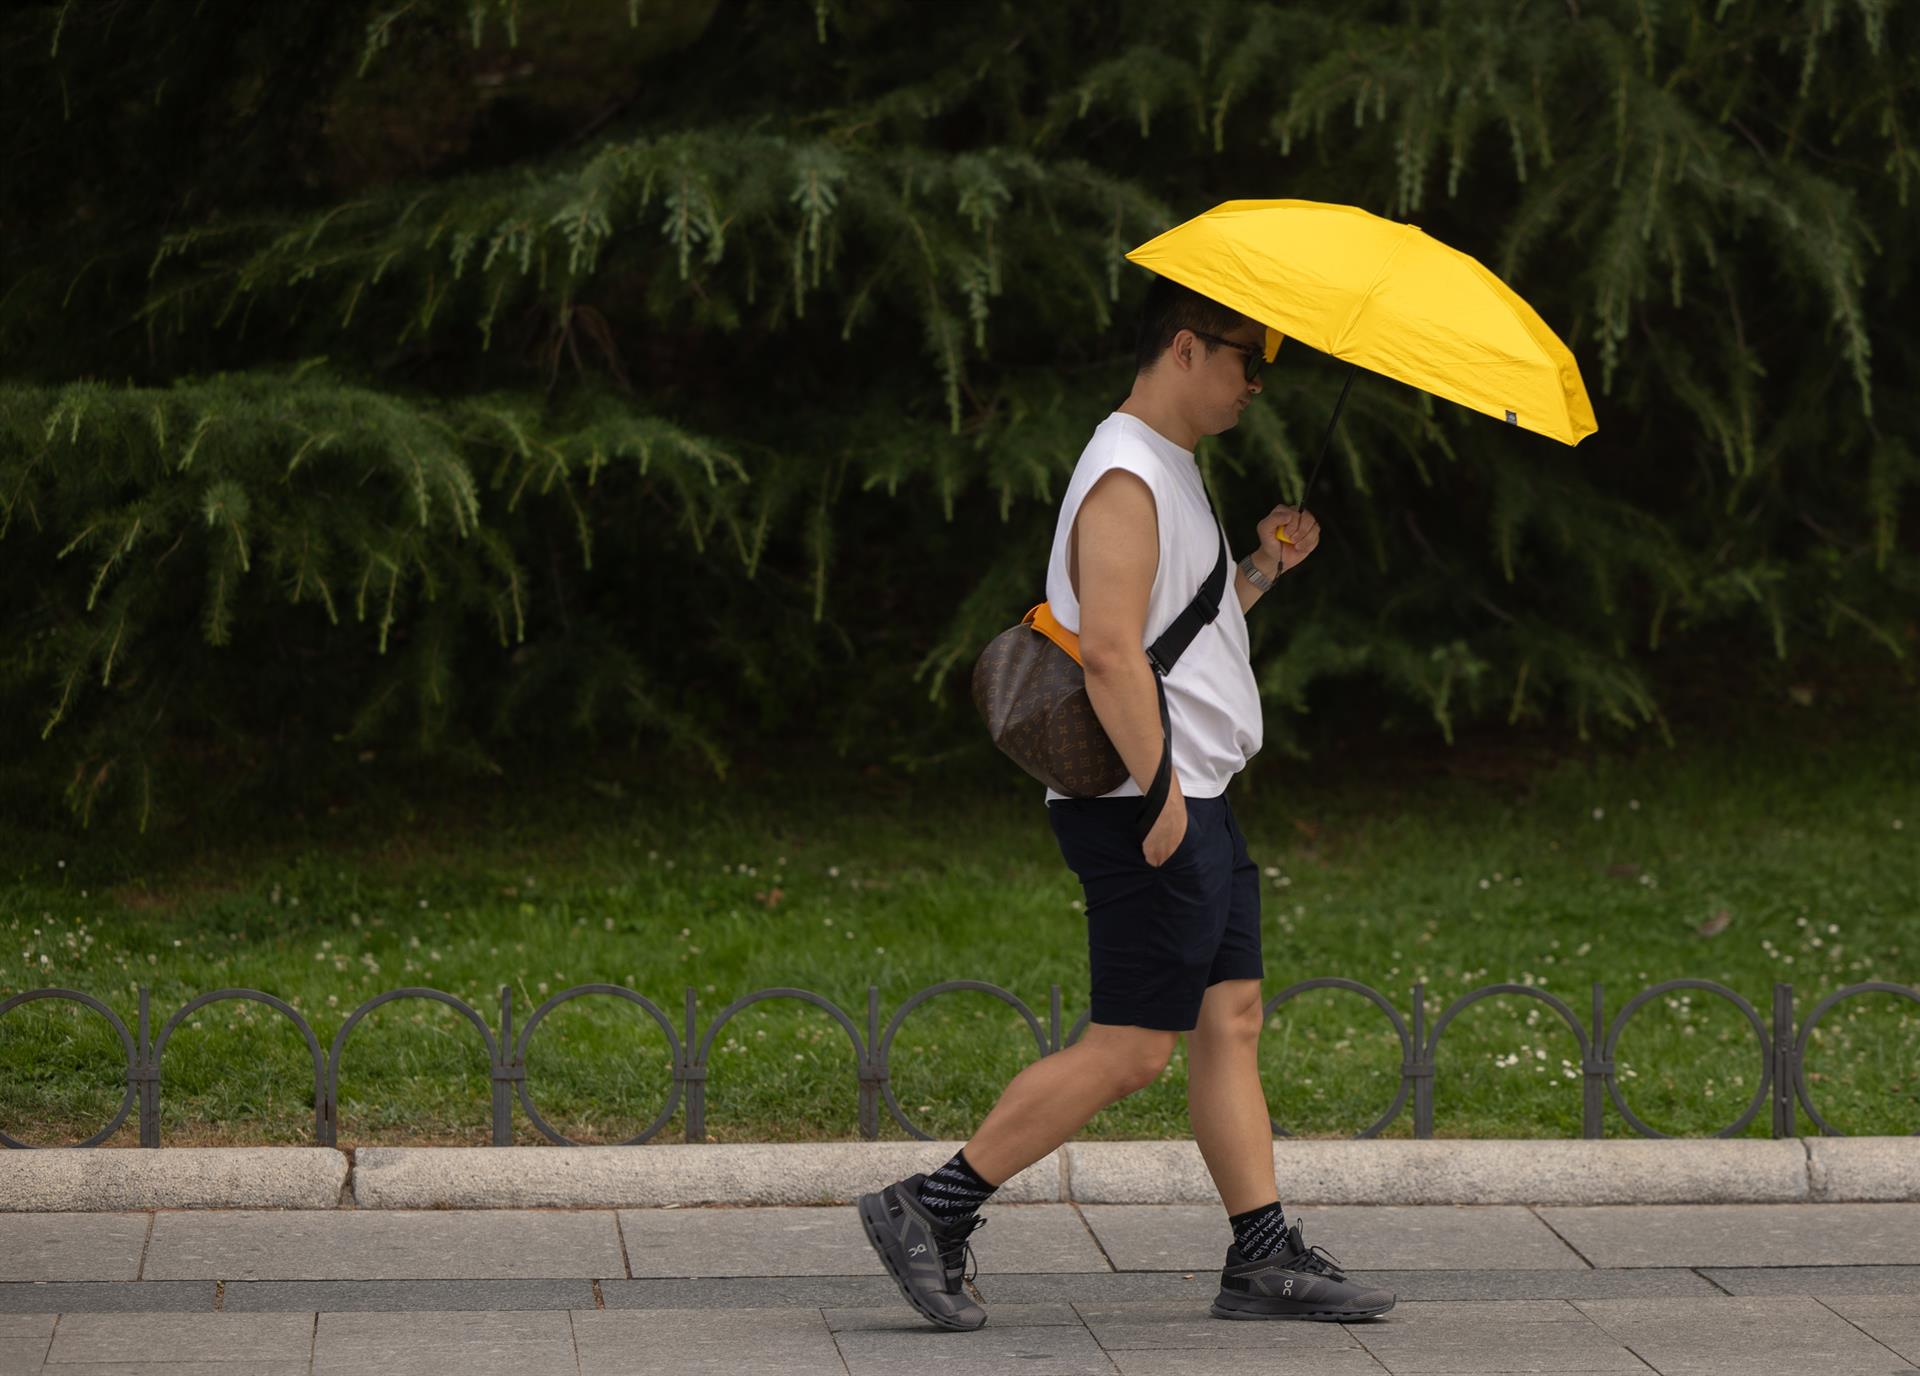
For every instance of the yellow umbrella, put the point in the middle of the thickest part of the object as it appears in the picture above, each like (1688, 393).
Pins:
(1383, 296)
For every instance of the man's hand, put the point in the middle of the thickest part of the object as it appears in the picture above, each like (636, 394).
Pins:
(1298, 526)
(1169, 828)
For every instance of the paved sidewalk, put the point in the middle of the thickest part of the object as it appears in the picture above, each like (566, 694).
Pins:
(1704, 1290)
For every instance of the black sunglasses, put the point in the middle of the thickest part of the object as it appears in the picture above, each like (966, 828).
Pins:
(1253, 354)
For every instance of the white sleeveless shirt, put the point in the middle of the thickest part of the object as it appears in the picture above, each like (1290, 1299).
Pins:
(1212, 700)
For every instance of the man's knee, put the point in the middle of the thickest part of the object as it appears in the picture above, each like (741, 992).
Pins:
(1135, 1056)
(1232, 1011)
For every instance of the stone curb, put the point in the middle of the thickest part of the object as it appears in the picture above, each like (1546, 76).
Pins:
(96, 1179)
(1398, 1171)
(654, 1174)
(1868, 1169)
(1624, 1171)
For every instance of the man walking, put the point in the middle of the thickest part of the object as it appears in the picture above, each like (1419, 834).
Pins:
(1173, 923)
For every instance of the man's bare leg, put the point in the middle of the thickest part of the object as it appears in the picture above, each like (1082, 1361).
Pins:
(1225, 1100)
(1053, 1098)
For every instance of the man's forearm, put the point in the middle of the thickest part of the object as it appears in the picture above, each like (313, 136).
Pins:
(1247, 592)
(1123, 697)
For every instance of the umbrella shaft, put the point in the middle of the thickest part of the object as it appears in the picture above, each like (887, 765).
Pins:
(1327, 439)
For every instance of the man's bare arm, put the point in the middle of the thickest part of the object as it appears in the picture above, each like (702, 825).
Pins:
(1119, 547)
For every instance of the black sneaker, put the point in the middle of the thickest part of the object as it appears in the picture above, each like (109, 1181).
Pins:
(925, 1256)
(1296, 1282)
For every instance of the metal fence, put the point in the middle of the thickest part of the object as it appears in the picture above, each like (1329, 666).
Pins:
(1782, 1049)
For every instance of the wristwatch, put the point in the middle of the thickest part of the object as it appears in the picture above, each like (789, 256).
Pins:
(1253, 574)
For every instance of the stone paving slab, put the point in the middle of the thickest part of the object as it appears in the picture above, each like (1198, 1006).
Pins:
(195, 1368)
(244, 1339)
(22, 1356)
(900, 1315)
(1194, 1237)
(1503, 1285)
(693, 1342)
(1734, 1336)
(750, 1292)
(831, 1241)
(346, 1244)
(1891, 1321)
(1543, 1335)
(1813, 1280)
(438, 1344)
(106, 1297)
(990, 1351)
(1278, 1361)
(1179, 1324)
(1113, 1287)
(71, 1246)
(368, 1296)
(1742, 1234)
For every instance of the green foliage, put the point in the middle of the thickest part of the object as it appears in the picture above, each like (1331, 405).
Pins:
(716, 376)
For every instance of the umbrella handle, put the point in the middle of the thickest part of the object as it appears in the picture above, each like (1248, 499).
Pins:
(1327, 439)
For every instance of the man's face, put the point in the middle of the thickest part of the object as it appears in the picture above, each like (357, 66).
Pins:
(1217, 382)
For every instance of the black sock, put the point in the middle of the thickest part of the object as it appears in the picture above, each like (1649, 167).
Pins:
(955, 1190)
(1259, 1232)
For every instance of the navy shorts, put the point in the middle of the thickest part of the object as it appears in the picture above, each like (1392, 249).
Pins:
(1158, 937)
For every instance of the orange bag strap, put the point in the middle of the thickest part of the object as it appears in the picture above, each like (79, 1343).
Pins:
(1040, 617)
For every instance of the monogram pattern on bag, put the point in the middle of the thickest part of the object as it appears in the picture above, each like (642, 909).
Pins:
(1033, 698)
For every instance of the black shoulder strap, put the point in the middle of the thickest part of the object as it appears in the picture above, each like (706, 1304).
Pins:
(1163, 654)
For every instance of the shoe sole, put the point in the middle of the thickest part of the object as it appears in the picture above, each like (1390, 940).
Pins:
(1220, 1311)
(873, 1218)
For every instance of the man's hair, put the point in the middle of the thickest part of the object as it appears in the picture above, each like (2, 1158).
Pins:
(1171, 308)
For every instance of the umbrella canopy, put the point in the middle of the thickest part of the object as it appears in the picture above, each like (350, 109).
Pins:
(1384, 296)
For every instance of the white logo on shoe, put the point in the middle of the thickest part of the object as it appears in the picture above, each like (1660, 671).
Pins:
(916, 1249)
(1287, 1289)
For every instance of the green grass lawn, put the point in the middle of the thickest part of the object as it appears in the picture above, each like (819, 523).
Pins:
(1454, 867)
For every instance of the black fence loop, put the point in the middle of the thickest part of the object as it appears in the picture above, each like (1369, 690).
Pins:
(353, 1020)
(135, 1071)
(1759, 1030)
(1409, 1062)
(516, 1071)
(280, 1006)
(1799, 1067)
(884, 1058)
